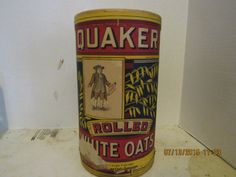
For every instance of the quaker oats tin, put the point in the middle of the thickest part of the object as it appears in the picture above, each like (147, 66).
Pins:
(117, 61)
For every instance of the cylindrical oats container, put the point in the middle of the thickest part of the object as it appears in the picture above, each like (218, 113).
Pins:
(117, 61)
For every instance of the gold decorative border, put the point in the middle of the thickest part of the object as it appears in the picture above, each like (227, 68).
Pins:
(123, 86)
(117, 57)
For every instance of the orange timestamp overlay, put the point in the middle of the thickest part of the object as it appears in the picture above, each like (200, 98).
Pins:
(191, 152)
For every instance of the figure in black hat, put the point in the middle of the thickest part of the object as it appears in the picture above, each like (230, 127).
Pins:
(98, 83)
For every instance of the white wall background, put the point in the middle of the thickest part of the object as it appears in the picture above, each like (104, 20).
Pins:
(34, 35)
(209, 87)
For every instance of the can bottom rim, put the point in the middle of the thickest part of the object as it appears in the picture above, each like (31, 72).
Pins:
(102, 174)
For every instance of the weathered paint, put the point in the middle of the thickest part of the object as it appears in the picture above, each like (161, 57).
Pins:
(117, 61)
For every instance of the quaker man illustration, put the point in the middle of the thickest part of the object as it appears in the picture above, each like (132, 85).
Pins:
(99, 83)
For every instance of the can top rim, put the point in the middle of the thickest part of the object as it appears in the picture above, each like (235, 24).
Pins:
(118, 14)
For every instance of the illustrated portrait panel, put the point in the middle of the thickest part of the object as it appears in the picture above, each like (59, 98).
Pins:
(103, 88)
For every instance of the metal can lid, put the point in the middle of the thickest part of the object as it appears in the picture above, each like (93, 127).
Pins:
(99, 14)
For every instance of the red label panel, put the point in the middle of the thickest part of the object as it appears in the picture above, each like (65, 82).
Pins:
(121, 148)
(117, 37)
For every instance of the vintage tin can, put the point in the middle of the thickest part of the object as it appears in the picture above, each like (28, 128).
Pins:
(117, 61)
